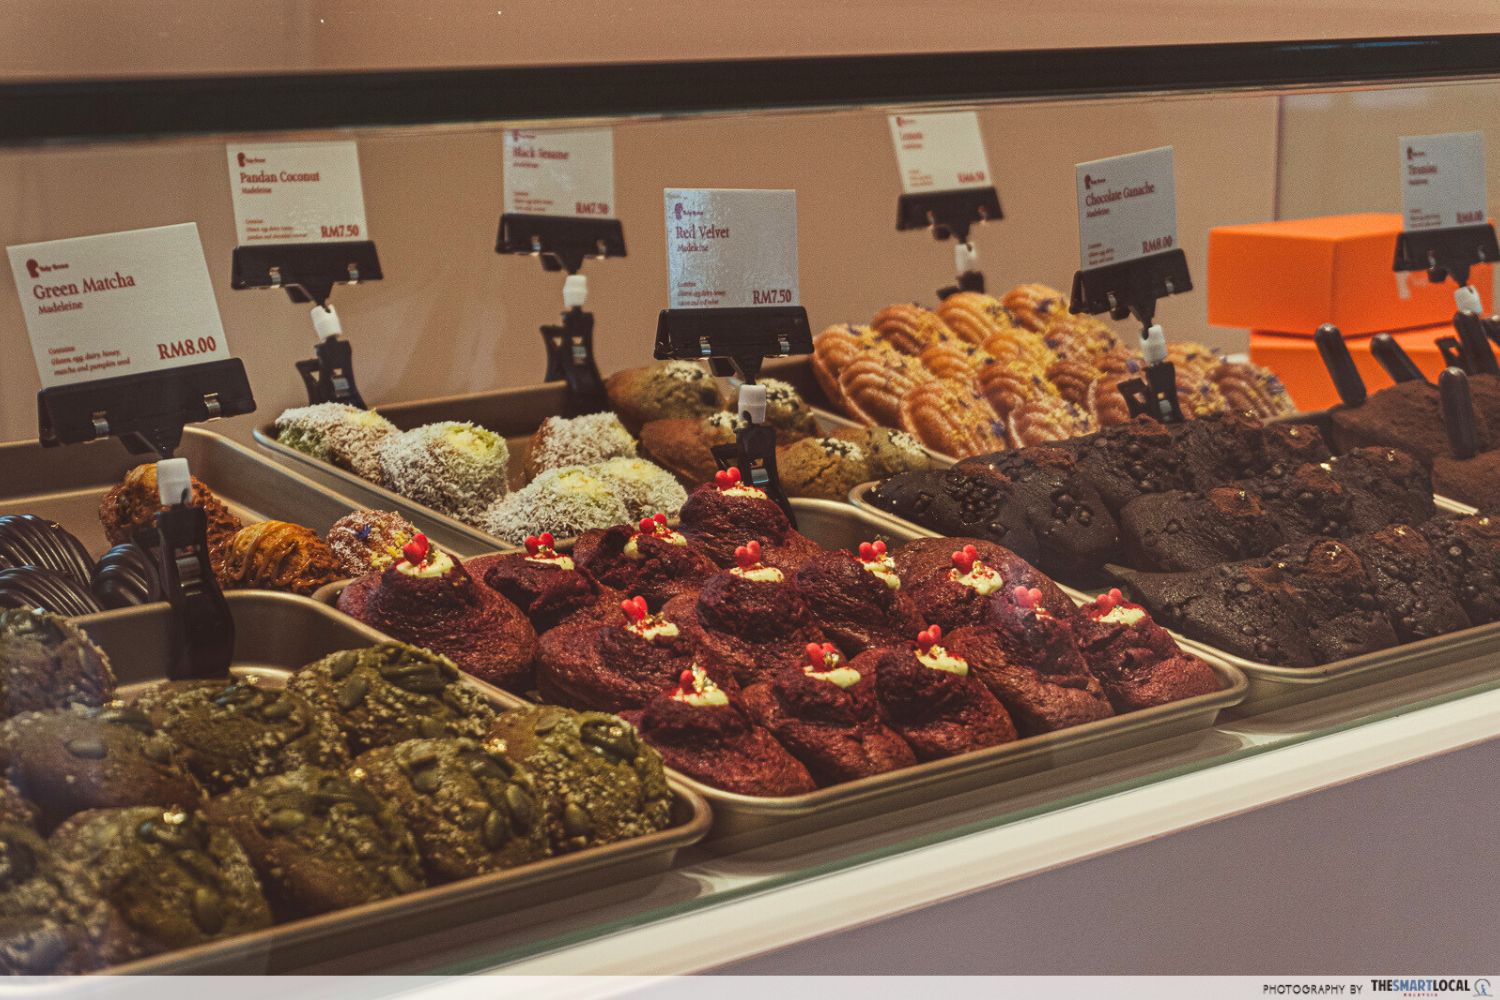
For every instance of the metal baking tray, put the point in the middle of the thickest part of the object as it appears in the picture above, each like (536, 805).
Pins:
(278, 634)
(742, 821)
(67, 484)
(1272, 686)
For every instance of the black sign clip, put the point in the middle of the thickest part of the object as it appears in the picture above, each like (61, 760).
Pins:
(951, 214)
(734, 341)
(562, 242)
(754, 449)
(1448, 252)
(328, 376)
(203, 640)
(570, 359)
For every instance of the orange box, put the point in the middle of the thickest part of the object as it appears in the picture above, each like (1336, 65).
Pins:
(1293, 276)
(1294, 358)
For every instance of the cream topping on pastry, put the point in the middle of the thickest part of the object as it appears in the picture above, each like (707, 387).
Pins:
(1121, 615)
(935, 657)
(439, 563)
(981, 577)
(696, 688)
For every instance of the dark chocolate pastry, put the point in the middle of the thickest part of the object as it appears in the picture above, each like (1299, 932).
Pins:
(73, 759)
(428, 599)
(235, 732)
(125, 576)
(1176, 531)
(723, 515)
(1137, 663)
(1128, 460)
(1290, 445)
(707, 734)
(47, 662)
(857, 599)
(1408, 416)
(825, 714)
(471, 809)
(391, 693)
(171, 880)
(928, 695)
(1467, 550)
(650, 560)
(1416, 594)
(49, 590)
(321, 841)
(545, 584)
(955, 502)
(1385, 486)
(1308, 502)
(1474, 481)
(1219, 448)
(620, 664)
(598, 782)
(28, 540)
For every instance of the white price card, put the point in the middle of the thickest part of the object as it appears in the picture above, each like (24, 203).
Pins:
(560, 172)
(118, 304)
(1127, 208)
(731, 248)
(1442, 180)
(940, 152)
(297, 192)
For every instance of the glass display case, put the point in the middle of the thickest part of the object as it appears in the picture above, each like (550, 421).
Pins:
(120, 128)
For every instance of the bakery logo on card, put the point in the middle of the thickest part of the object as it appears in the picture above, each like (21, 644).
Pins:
(1089, 180)
(245, 160)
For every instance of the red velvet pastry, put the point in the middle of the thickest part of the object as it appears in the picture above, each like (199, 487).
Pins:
(649, 559)
(546, 585)
(427, 599)
(705, 732)
(749, 618)
(721, 515)
(1034, 666)
(971, 591)
(922, 558)
(1136, 660)
(617, 665)
(857, 600)
(825, 714)
(928, 695)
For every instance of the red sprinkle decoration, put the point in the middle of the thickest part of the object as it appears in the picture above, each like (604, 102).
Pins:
(1028, 599)
(727, 478)
(818, 655)
(547, 540)
(929, 636)
(871, 551)
(656, 525)
(1111, 600)
(533, 543)
(416, 550)
(965, 558)
(647, 526)
(686, 682)
(660, 519)
(747, 555)
(635, 608)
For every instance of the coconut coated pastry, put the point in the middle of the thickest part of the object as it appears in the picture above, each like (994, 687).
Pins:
(368, 539)
(651, 559)
(320, 841)
(131, 508)
(471, 809)
(928, 696)
(276, 555)
(337, 433)
(238, 731)
(427, 598)
(585, 440)
(644, 488)
(564, 502)
(392, 692)
(598, 782)
(455, 468)
(662, 390)
(47, 662)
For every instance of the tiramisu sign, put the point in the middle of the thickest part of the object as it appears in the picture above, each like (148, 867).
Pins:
(297, 192)
(568, 172)
(731, 248)
(1127, 207)
(117, 304)
(1442, 180)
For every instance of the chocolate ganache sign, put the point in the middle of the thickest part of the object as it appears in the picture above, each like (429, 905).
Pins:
(1127, 208)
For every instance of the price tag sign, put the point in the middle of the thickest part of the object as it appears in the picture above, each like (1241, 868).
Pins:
(731, 248)
(118, 304)
(297, 192)
(569, 172)
(940, 152)
(1442, 180)
(1127, 208)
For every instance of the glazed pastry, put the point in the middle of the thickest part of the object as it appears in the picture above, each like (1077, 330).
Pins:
(598, 781)
(428, 599)
(909, 328)
(320, 841)
(235, 732)
(662, 391)
(47, 662)
(471, 809)
(1249, 388)
(28, 540)
(643, 488)
(618, 664)
(955, 502)
(368, 540)
(565, 502)
(974, 316)
(343, 435)
(275, 555)
(749, 618)
(1035, 306)
(73, 759)
(706, 733)
(929, 697)
(823, 467)
(835, 349)
(171, 880)
(545, 584)
(1176, 531)
(950, 421)
(128, 511)
(1138, 664)
(720, 516)
(390, 693)
(1468, 555)
(125, 576)
(873, 387)
(1047, 417)
(825, 714)
(787, 411)
(650, 558)
(32, 587)
(955, 361)
(585, 440)
(857, 599)
(456, 469)
(1410, 583)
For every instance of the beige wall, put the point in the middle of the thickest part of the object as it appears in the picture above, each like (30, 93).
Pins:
(452, 316)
